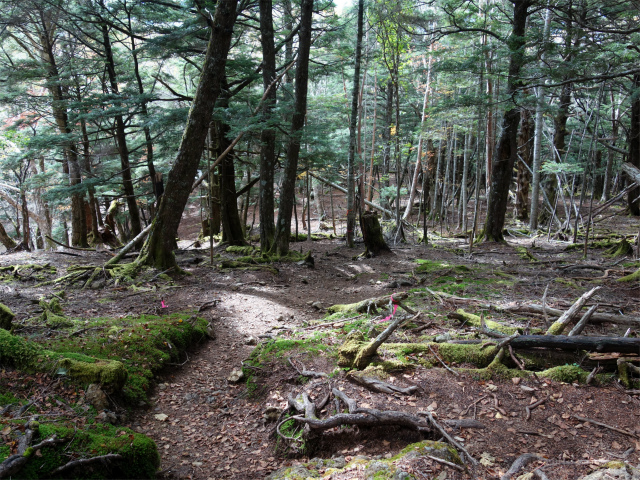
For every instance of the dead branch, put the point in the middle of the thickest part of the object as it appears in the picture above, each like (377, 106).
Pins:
(464, 423)
(449, 438)
(444, 462)
(369, 304)
(366, 352)
(380, 386)
(579, 327)
(604, 425)
(521, 462)
(442, 362)
(83, 462)
(561, 324)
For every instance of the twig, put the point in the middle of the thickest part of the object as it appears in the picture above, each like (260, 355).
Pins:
(444, 462)
(528, 408)
(593, 374)
(306, 373)
(320, 325)
(449, 438)
(544, 306)
(180, 364)
(515, 359)
(442, 362)
(615, 429)
(69, 246)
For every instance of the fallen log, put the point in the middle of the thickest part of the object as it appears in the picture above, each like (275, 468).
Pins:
(370, 304)
(578, 342)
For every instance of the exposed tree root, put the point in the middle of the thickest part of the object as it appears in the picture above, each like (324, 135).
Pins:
(379, 386)
(521, 462)
(13, 464)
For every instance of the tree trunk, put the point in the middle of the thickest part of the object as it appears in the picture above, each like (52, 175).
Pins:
(525, 149)
(6, 240)
(287, 192)
(351, 205)
(268, 134)
(634, 145)
(232, 231)
(372, 233)
(507, 146)
(121, 139)
(158, 249)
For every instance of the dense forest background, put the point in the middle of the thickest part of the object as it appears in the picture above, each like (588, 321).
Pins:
(442, 105)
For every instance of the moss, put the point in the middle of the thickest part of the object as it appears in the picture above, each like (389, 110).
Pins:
(566, 281)
(111, 375)
(238, 250)
(350, 348)
(619, 249)
(141, 459)
(6, 317)
(565, 373)
(525, 254)
(635, 276)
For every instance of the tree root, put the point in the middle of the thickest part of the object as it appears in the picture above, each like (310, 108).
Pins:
(379, 386)
(521, 462)
(13, 464)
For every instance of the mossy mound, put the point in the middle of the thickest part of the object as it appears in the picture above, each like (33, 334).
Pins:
(140, 454)
(619, 249)
(31, 357)
(378, 468)
(6, 317)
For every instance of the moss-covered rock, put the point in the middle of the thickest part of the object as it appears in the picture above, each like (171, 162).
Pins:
(396, 467)
(6, 317)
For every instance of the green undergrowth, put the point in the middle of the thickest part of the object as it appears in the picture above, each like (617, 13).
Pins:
(454, 279)
(27, 272)
(141, 459)
(143, 344)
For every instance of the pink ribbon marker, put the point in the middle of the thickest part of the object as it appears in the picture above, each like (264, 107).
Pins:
(395, 308)
(165, 306)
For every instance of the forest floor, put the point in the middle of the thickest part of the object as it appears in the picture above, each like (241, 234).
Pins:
(215, 428)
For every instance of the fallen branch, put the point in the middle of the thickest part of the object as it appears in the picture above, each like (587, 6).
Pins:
(444, 462)
(579, 327)
(367, 351)
(380, 386)
(449, 438)
(442, 362)
(600, 424)
(369, 304)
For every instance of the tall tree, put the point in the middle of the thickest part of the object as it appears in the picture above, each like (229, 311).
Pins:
(267, 134)
(351, 204)
(507, 152)
(158, 249)
(287, 191)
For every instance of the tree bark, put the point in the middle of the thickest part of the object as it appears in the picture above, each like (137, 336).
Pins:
(507, 146)
(268, 134)
(524, 176)
(372, 233)
(287, 192)
(6, 240)
(351, 206)
(634, 145)
(158, 250)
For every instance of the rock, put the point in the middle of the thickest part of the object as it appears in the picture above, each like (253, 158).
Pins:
(6, 317)
(236, 375)
(210, 331)
(161, 417)
(524, 388)
(250, 341)
(96, 397)
(271, 414)
(317, 305)
(304, 280)
(280, 318)
(107, 416)
(622, 472)
(443, 338)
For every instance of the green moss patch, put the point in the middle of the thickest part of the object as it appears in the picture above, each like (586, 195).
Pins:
(141, 459)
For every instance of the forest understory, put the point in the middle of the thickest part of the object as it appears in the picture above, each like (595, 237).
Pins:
(233, 406)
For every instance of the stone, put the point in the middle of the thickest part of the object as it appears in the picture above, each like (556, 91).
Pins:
(96, 397)
(107, 416)
(317, 305)
(250, 341)
(236, 375)
(271, 414)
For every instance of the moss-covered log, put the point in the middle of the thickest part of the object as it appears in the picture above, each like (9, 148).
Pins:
(6, 317)
(31, 357)
(368, 305)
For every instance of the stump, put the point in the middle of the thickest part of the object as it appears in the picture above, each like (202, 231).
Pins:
(6, 317)
(372, 233)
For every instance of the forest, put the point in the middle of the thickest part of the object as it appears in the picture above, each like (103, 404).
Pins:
(433, 205)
